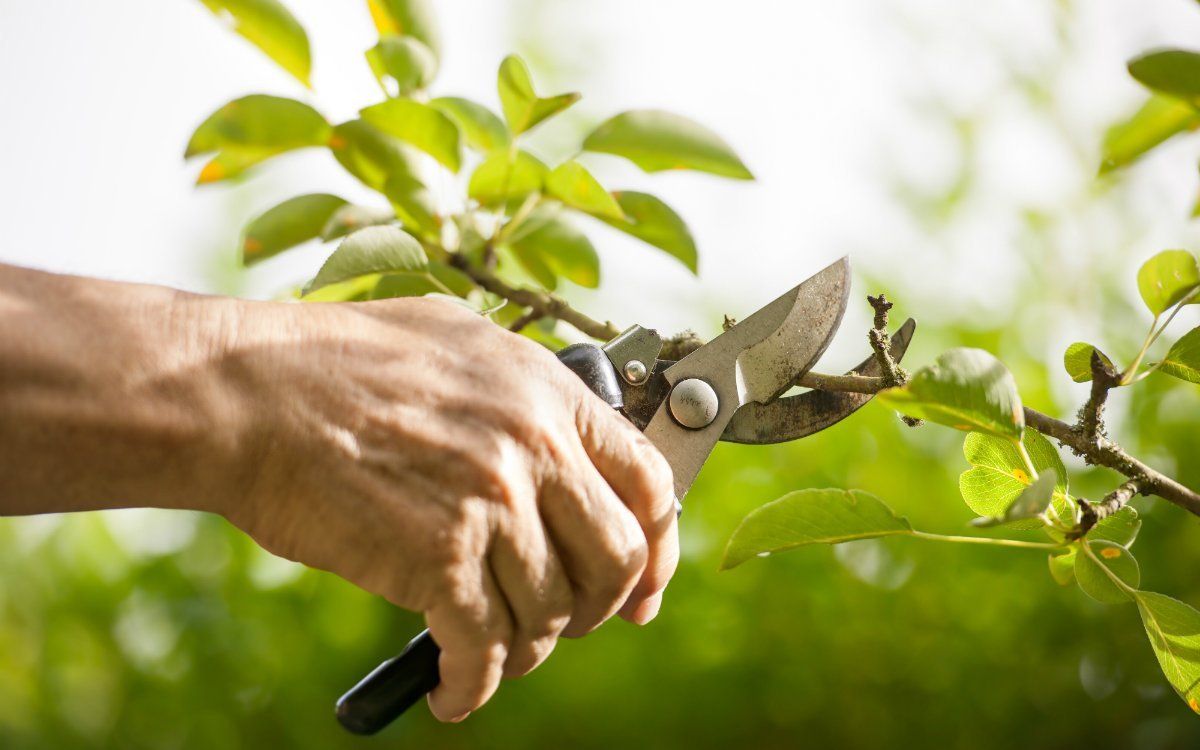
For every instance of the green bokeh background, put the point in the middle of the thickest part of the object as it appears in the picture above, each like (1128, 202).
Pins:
(149, 629)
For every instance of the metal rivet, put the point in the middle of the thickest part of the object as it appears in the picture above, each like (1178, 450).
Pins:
(694, 403)
(635, 371)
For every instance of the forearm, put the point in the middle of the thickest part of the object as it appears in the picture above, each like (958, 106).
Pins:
(111, 395)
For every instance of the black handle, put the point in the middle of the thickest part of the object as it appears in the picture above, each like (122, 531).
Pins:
(395, 685)
(392, 688)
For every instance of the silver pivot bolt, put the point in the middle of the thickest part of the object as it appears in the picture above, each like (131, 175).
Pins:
(694, 403)
(635, 371)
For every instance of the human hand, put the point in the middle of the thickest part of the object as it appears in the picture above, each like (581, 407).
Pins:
(456, 469)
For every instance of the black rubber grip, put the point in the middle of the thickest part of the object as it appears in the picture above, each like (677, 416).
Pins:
(395, 685)
(392, 688)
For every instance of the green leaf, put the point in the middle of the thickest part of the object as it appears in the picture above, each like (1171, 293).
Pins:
(228, 165)
(504, 176)
(406, 60)
(438, 279)
(272, 28)
(374, 250)
(1078, 361)
(486, 306)
(1170, 71)
(371, 155)
(260, 121)
(523, 108)
(1120, 528)
(554, 244)
(1095, 582)
(357, 289)
(1029, 503)
(967, 389)
(1062, 567)
(655, 223)
(527, 269)
(383, 163)
(657, 141)
(352, 217)
(453, 279)
(1174, 632)
(1159, 118)
(1167, 278)
(481, 128)
(419, 125)
(395, 285)
(998, 475)
(572, 184)
(412, 203)
(1183, 358)
(291, 223)
(413, 18)
(254, 128)
(811, 516)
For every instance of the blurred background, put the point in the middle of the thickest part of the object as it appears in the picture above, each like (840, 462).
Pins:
(951, 148)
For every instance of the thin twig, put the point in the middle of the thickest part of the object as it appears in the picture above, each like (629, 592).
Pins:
(529, 318)
(894, 375)
(546, 304)
(1091, 416)
(881, 344)
(842, 383)
(1094, 513)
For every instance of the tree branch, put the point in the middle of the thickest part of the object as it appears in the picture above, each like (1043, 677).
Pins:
(843, 383)
(542, 304)
(1091, 415)
(529, 318)
(1086, 440)
(893, 374)
(1112, 502)
(1099, 452)
(881, 344)
(1105, 452)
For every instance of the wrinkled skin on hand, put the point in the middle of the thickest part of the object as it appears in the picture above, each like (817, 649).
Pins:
(457, 469)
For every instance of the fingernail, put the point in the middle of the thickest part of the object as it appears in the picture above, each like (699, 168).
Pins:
(678, 508)
(457, 719)
(648, 610)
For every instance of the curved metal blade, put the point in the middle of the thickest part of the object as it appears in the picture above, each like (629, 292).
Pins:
(754, 361)
(799, 416)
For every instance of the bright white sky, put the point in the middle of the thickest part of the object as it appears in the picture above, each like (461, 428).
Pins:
(825, 101)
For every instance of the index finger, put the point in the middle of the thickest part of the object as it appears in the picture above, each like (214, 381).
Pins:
(642, 478)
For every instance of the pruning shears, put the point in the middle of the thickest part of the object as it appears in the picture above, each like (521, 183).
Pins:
(728, 389)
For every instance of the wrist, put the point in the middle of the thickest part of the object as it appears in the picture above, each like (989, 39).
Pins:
(207, 359)
(113, 395)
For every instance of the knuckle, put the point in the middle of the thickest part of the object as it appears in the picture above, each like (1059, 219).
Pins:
(534, 653)
(545, 442)
(657, 576)
(620, 569)
(495, 649)
(459, 542)
(655, 480)
(635, 559)
(549, 626)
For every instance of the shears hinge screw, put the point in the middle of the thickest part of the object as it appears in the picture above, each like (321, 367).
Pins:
(694, 403)
(635, 371)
